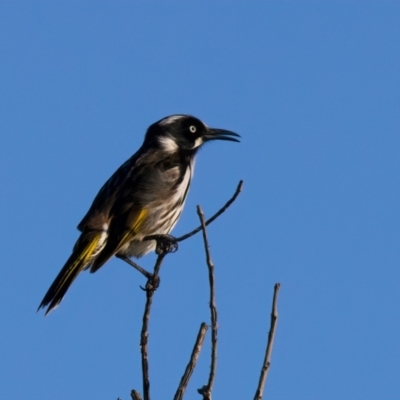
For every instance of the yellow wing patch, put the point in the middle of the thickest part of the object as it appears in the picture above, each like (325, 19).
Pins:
(135, 227)
(89, 249)
(139, 220)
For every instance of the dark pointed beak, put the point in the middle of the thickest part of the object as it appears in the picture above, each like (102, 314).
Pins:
(221, 134)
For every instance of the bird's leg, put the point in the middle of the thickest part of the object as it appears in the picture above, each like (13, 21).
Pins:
(165, 243)
(147, 274)
(153, 280)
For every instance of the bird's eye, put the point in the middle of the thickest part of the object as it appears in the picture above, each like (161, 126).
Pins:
(192, 129)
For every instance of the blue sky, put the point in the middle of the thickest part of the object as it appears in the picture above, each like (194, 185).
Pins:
(312, 87)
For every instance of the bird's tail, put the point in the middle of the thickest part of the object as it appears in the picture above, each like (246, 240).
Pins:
(86, 249)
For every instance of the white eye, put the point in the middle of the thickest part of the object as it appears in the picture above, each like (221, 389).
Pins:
(192, 129)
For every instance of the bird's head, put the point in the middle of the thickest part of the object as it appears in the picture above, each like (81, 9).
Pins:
(184, 132)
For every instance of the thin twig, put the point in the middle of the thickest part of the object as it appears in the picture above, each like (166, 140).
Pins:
(187, 235)
(135, 395)
(215, 216)
(192, 362)
(206, 390)
(271, 335)
(151, 286)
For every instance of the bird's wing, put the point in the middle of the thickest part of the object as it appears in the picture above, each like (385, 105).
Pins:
(127, 212)
(99, 212)
(144, 186)
(123, 228)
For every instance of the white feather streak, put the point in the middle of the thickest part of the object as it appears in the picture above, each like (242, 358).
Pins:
(168, 144)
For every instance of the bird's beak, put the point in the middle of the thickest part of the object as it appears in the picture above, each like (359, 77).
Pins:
(220, 134)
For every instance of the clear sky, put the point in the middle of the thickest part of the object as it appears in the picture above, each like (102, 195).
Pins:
(312, 87)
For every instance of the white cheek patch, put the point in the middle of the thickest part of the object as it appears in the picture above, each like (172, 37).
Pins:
(198, 142)
(168, 144)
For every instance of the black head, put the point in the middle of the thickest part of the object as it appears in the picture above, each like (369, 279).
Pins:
(184, 132)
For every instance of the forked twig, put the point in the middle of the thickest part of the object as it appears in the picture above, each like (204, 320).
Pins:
(206, 390)
(271, 335)
(192, 362)
(216, 215)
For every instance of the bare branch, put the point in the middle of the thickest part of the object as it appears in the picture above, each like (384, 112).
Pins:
(151, 286)
(206, 390)
(271, 335)
(192, 362)
(215, 216)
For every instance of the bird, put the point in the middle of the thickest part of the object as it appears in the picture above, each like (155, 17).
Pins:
(145, 196)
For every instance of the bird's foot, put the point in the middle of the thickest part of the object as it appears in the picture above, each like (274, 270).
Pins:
(152, 283)
(165, 243)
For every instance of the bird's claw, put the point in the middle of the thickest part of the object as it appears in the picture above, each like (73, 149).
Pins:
(164, 244)
(152, 284)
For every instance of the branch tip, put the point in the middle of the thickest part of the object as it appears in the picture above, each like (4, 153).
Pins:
(192, 362)
(216, 215)
(135, 395)
(271, 335)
